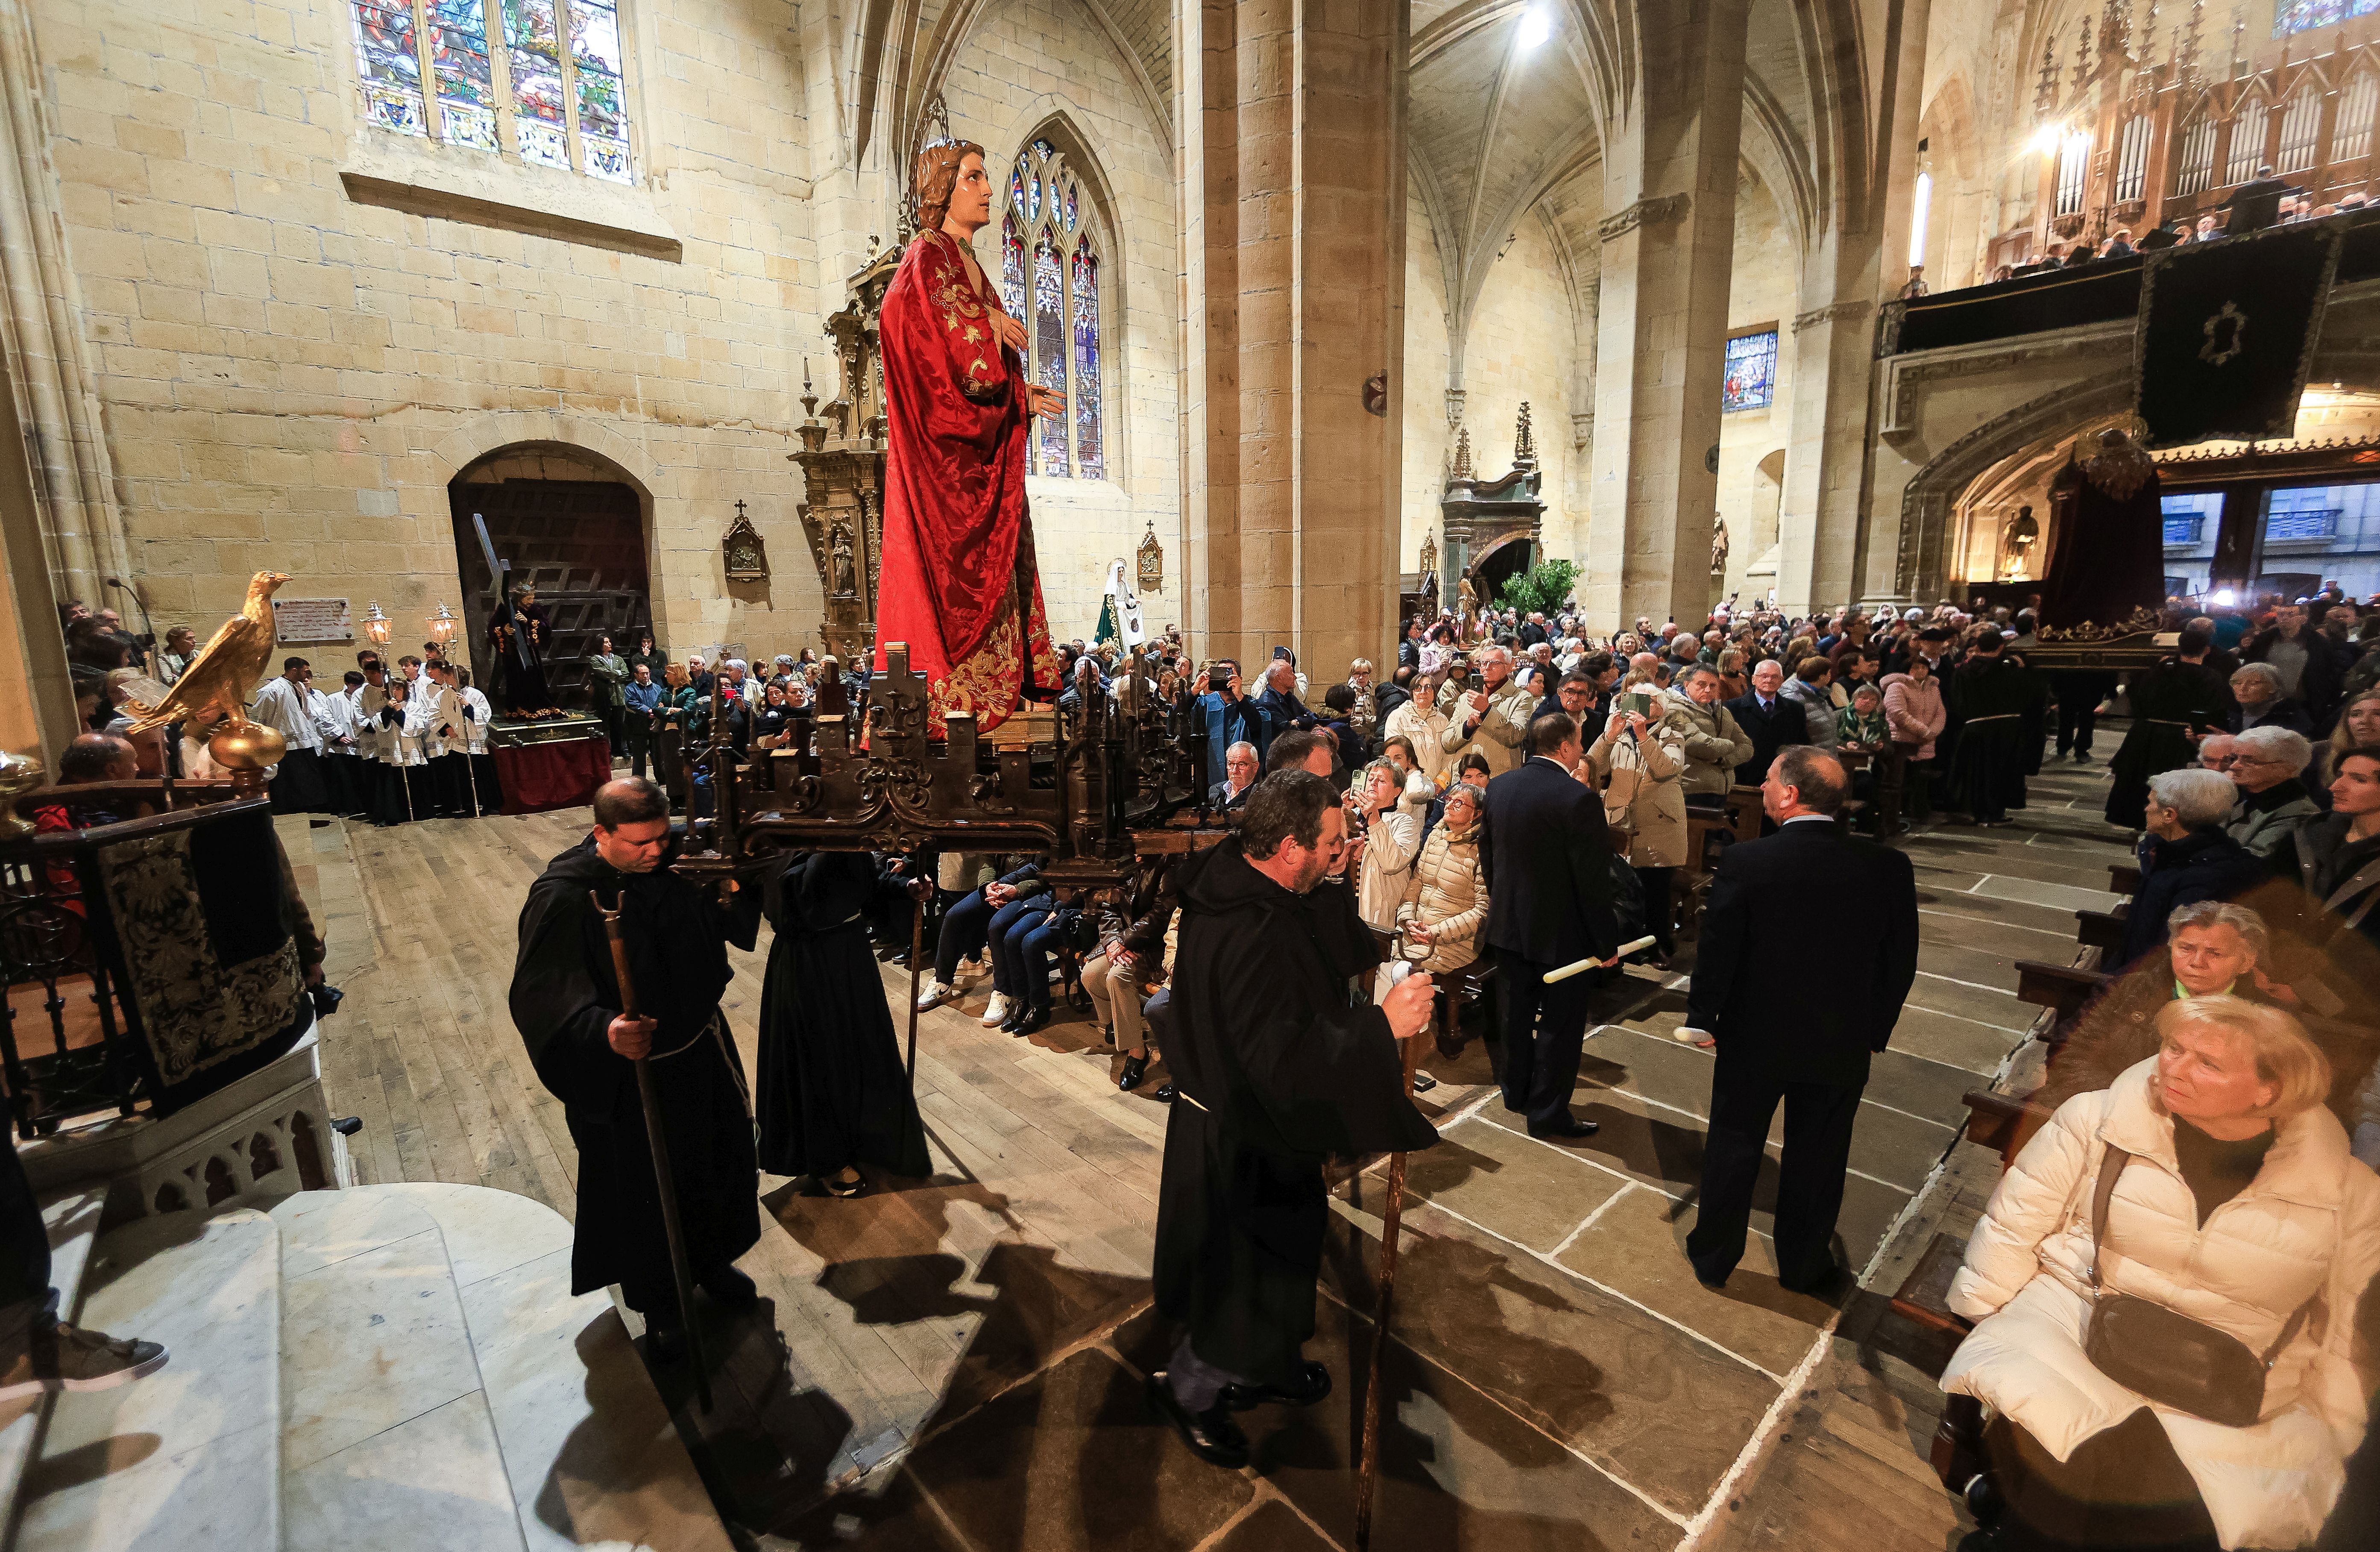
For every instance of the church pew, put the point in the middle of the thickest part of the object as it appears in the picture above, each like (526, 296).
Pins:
(2100, 929)
(2124, 879)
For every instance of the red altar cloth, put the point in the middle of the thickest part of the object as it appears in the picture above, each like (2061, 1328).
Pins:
(537, 777)
(959, 583)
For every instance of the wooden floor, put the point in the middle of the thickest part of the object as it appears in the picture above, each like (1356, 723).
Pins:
(956, 1363)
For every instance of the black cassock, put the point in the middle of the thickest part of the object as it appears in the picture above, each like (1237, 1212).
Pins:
(1275, 1070)
(1997, 699)
(563, 999)
(2168, 703)
(833, 1088)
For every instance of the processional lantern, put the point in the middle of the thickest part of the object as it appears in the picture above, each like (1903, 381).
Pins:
(442, 627)
(376, 624)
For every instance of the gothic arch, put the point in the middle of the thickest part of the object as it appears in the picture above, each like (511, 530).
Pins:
(958, 25)
(1927, 502)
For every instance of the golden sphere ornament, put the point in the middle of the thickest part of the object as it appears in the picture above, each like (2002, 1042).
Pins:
(247, 746)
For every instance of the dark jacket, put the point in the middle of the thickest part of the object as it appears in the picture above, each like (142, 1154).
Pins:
(1546, 855)
(1757, 938)
(1280, 713)
(2282, 713)
(1532, 633)
(1221, 798)
(2203, 865)
(2341, 882)
(2318, 684)
(1769, 731)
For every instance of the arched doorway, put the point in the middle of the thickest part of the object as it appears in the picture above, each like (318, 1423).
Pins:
(1500, 563)
(569, 523)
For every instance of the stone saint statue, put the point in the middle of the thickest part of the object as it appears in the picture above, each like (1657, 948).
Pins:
(958, 582)
(846, 583)
(1470, 597)
(1719, 545)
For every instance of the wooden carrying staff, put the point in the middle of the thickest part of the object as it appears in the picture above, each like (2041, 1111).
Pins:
(675, 1231)
(1367, 1467)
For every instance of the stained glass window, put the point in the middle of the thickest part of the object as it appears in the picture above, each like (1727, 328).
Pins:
(1751, 379)
(1088, 456)
(1012, 267)
(388, 63)
(2304, 16)
(532, 99)
(1050, 281)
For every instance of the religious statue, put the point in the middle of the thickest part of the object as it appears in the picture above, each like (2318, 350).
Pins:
(847, 581)
(1719, 545)
(959, 584)
(518, 636)
(1470, 597)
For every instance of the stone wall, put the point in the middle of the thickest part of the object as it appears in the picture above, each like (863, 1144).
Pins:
(302, 328)
(1520, 348)
(1760, 294)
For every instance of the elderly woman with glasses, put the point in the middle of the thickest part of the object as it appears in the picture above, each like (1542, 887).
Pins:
(2266, 762)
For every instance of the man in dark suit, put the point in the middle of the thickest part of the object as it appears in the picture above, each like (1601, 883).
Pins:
(2256, 204)
(1240, 765)
(1769, 719)
(1546, 859)
(1533, 632)
(1811, 1052)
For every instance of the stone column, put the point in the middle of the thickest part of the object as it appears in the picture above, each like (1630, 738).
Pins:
(37, 704)
(1859, 262)
(1293, 221)
(41, 313)
(1669, 238)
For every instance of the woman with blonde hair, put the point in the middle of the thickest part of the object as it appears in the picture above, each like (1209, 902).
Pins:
(2165, 1288)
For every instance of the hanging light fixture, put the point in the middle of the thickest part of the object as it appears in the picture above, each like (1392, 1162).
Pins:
(375, 624)
(442, 627)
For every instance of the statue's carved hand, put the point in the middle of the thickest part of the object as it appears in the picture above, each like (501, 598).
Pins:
(1043, 401)
(1007, 331)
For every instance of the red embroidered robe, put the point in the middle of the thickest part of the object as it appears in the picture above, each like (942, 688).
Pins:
(959, 583)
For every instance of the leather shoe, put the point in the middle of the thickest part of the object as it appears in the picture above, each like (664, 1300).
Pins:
(1164, 1094)
(1134, 1069)
(1034, 1021)
(1211, 1434)
(1016, 1019)
(665, 1343)
(1314, 1384)
(1567, 1127)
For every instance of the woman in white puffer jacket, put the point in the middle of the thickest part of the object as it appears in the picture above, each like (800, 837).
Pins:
(2240, 1205)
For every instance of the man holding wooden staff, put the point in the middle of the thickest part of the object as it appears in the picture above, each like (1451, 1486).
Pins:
(567, 1003)
(1276, 1067)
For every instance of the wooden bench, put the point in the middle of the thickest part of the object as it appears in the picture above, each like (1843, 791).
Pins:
(2100, 929)
(2124, 879)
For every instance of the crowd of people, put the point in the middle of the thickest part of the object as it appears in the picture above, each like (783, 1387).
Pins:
(2263, 201)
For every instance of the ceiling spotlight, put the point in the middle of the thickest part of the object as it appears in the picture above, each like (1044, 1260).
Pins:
(1537, 26)
(2046, 139)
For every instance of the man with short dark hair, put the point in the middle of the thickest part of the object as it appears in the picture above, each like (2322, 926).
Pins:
(1274, 1072)
(1546, 856)
(567, 1003)
(1302, 749)
(1810, 1053)
(287, 706)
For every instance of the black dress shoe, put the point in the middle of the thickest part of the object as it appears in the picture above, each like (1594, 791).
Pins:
(665, 1343)
(1164, 1094)
(1036, 1020)
(1134, 1069)
(727, 1286)
(1573, 1127)
(1211, 1434)
(1016, 1019)
(1314, 1385)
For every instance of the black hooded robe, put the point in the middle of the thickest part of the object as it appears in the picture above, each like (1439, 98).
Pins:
(1275, 1072)
(563, 998)
(2168, 703)
(833, 1090)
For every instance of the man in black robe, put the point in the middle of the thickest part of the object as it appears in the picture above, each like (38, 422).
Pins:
(1276, 1069)
(2174, 705)
(833, 1094)
(1994, 694)
(565, 1001)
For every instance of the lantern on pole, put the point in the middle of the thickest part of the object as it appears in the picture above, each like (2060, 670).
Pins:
(441, 628)
(376, 624)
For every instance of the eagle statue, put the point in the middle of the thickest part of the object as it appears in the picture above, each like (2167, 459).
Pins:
(225, 671)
